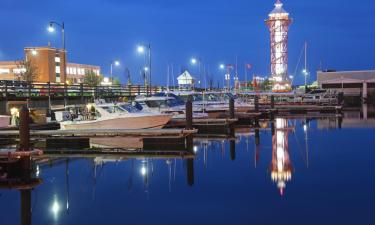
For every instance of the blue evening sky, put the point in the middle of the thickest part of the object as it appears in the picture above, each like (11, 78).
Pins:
(339, 32)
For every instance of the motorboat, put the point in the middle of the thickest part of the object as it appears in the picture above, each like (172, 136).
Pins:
(115, 116)
(4, 121)
(214, 103)
(165, 103)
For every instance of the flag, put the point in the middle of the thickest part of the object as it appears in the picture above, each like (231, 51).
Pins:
(230, 66)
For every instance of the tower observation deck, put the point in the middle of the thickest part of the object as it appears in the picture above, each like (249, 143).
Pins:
(278, 24)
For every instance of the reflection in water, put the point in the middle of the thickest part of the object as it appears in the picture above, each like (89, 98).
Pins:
(281, 168)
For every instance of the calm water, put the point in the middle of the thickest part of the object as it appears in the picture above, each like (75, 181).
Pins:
(302, 173)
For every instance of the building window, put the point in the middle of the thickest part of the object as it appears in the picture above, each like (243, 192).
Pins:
(57, 59)
(4, 71)
(18, 71)
(58, 69)
(58, 80)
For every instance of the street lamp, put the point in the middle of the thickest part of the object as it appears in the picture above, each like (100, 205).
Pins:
(141, 49)
(195, 61)
(51, 29)
(116, 63)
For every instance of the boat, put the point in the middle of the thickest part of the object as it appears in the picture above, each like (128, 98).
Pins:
(4, 121)
(116, 116)
(215, 104)
(165, 103)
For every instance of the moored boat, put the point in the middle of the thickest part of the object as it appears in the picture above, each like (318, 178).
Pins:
(117, 116)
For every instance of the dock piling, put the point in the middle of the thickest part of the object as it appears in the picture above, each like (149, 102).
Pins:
(24, 129)
(272, 102)
(231, 108)
(256, 103)
(189, 114)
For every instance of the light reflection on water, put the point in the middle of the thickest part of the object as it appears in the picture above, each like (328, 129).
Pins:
(293, 171)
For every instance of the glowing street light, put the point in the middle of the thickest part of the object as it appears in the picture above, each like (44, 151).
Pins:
(146, 69)
(34, 52)
(116, 63)
(194, 61)
(221, 66)
(141, 49)
(51, 29)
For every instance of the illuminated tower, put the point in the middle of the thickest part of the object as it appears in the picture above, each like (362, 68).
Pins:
(278, 24)
(281, 166)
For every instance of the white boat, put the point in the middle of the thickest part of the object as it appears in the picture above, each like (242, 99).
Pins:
(4, 121)
(166, 104)
(117, 116)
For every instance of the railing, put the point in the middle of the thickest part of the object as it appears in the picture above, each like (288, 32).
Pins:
(30, 90)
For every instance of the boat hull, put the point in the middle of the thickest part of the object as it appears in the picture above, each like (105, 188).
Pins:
(4, 121)
(141, 122)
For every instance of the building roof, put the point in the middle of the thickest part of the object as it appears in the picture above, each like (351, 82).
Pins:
(185, 76)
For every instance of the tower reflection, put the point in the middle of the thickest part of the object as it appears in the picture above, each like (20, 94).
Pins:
(281, 167)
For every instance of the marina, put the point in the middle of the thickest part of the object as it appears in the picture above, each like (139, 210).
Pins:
(186, 112)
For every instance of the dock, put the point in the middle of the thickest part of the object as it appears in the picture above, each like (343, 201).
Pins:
(160, 133)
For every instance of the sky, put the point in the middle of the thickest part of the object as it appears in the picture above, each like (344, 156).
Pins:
(338, 32)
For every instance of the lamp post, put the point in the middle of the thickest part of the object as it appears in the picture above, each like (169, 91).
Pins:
(195, 61)
(141, 50)
(51, 29)
(116, 63)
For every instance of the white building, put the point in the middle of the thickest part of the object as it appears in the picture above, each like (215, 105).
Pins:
(186, 80)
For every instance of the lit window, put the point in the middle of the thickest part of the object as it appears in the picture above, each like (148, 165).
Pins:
(4, 71)
(57, 69)
(57, 59)
(58, 80)
(18, 71)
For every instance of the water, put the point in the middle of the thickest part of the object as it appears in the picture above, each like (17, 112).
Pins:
(322, 175)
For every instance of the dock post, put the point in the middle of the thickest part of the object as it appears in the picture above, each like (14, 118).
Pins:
(272, 102)
(24, 129)
(256, 103)
(189, 114)
(364, 93)
(231, 108)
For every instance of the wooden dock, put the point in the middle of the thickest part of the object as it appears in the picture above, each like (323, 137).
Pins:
(160, 133)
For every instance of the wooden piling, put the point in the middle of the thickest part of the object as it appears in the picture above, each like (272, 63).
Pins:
(24, 129)
(256, 103)
(189, 114)
(231, 108)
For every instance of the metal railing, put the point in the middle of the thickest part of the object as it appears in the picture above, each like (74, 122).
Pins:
(30, 90)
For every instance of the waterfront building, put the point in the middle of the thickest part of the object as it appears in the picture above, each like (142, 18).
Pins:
(278, 24)
(349, 82)
(50, 65)
(186, 80)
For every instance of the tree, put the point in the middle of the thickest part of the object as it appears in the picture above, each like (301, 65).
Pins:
(116, 82)
(28, 72)
(91, 79)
